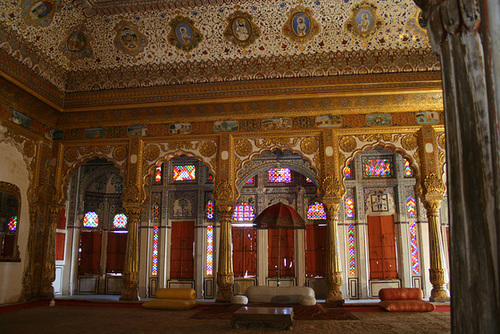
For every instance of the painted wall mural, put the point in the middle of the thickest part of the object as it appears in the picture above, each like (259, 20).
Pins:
(128, 39)
(39, 13)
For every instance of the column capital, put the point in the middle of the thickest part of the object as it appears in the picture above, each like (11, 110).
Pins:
(330, 189)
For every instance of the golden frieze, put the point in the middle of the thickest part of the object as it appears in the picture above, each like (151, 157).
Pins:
(409, 142)
(120, 153)
(243, 147)
(348, 144)
(208, 148)
(387, 137)
(151, 152)
(269, 142)
(309, 145)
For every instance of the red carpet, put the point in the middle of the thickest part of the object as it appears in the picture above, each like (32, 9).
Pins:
(67, 302)
(300, 312)
(376, 308)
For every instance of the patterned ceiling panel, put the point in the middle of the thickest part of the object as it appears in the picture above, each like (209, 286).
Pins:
(197, 40)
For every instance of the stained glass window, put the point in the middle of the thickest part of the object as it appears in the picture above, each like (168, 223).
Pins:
(12, 225)
(348, 171)
(408, 170)
(91, 220)
(351, 241)
(378, 167)
(156, 239)
(158, 174)
(308, 180)
(243, 212)
(279, 175)
(415, 263)
(316, 211)
(185, 173)
(120, 221)
(210, 209)
(251, 180)
(210, 250)
(210, 178)
(349, 207)
(154, 262)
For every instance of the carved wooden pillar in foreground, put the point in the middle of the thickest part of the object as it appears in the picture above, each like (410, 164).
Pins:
(464, 33)
(433, 196)
(49, 269)
(225, 275)
(329, 192)
(130, 198)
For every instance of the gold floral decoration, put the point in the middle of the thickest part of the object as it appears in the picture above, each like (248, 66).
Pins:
(309, 145)
(434, 186)
(151, 152)
(409, 142)
(243, 147)
(120, 153)
(29, 149)
(70, 154)
(208, 148)
(330, 187)
(348, 144)
(223, 191)
(130, 193)
(442, 141)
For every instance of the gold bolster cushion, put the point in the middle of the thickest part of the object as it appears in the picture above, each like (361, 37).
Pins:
(406, 306)
(400, 293)
(175, 293)
(170, 304)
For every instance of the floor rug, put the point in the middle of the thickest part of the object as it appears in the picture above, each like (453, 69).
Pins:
(301, 312)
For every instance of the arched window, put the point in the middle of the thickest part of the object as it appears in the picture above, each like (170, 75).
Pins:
(243, 212)
(91, 220)
(120, 221)
(158, 174)
(316, 211)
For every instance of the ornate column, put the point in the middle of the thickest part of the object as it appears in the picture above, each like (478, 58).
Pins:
(225, 275)
(329, 192)
(130, 198)
(433, 195)
(49, 268)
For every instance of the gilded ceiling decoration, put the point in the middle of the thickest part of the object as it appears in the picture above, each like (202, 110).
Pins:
(75, 45)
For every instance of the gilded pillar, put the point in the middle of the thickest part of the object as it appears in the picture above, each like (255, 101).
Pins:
(329, 191)
(433, 196)
(225, 275)
(130, 198)
(49, 268)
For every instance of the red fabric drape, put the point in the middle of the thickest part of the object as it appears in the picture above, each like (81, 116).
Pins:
(90, 253)
(382, 246)
(117, 247)
(244, 251)
(315, 251)
(181, 254)
(286, 253)
(60, 238)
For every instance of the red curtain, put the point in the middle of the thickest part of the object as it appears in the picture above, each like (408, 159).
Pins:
(315, 251)
(90, 253)
(244, 251)
(181, 254)
(283, 238)
(117, 247)
(382, 245)
(60, 237)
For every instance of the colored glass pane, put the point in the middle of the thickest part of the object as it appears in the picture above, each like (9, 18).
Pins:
(120, 221)
(251, 180)
(415, 265)
(348, 171)
(308, 180)
(410, 205)
(91, 220)
(185, 173)
(316, 211)
(408, 170)
(210, 250)
(158, 174)
(156, 212)
(210, 209)
(280, 175)
(243, 212)
(154, 262)
(349, 207)
(12, 225)
(378, 167)
(351, 241)
(210, 178)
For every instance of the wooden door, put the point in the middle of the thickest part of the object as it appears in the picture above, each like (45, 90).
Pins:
(182, 250)
(382, 247)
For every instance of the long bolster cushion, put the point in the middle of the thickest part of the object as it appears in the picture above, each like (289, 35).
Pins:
(172, 293)
(407, 306)
(170, 304)
(401, 293)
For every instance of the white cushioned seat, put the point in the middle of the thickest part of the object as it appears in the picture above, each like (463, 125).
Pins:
(239, 299)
